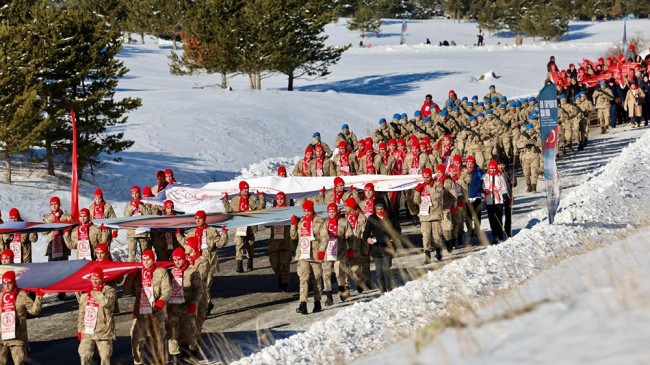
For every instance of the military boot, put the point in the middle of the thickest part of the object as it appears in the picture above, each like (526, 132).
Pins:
(533, 188)
(317, 307)
(438, 254)
(427, 257)
(240, 266)
(344, 293)
(330, 299)
(250, 265)
(449, 245)
(302, 308)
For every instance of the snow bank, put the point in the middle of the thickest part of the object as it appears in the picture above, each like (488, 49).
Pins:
(612, 202)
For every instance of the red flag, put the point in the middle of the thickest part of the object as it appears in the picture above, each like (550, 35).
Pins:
(74, 201)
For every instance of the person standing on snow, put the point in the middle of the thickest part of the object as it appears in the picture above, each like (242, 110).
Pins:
(161, 183)
(358, 248)
(320, 165)
(302, 167)
(480, 36)
(19, 243)
(336, 260)
(428, 107)
(56, 248)
(15, 306)
(317, 141)
(382, 233)
(496, 193)
(244, 236)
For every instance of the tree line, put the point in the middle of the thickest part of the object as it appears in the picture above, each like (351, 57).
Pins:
(57, 56)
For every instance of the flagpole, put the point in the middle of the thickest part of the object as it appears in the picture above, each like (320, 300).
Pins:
(74, 200)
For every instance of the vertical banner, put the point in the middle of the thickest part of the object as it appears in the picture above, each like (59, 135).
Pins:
(403, 37)
(549, 129)
(74, 200)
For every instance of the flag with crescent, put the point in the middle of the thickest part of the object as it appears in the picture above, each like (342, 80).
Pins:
(548, 113)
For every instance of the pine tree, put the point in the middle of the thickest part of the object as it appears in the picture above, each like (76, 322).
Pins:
(301, 48)
(366, 19)
(167, 18)
(491, 17)
(210, 42)
(77, 54)
(548, 21)
(21, 124)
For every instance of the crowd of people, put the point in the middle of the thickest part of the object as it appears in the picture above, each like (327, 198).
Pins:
(465, 151)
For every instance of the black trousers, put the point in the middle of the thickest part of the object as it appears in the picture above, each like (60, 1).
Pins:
(507, 225)
(495, 217)
(384, 274)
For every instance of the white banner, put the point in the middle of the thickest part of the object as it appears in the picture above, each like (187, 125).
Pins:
(191, 198)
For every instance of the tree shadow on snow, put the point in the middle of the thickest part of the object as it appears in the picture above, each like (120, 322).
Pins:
(383, 35)
(386, 85)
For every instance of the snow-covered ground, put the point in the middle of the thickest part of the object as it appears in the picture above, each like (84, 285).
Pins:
(205, 134)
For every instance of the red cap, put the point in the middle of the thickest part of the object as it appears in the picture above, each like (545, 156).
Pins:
(423, 144)
(342, 144)
(426, 172)
(84, 211)
(370, 186)
(148, 253)
(200, 214)
(97, 272)
(135, 189)
(630, 47)
(332, 206)
(243, 185)
(414, 140)
(441, 169)
(281, 194)
(146, 192)
(391, 142)
(168, 204)
(382, 145)
(368, 145)
(458, 159)
(8, 253)
(452, 92)
(178, 253)
(169, 172)
(102, 247)
(14, 213)
(447, 137)
(309, 149)
(350, 203)
(9, 275)
(426, 139)
(282, 170)
(55, 199)
(319, 147)
(193, 243)
(99, 193)
(368, 140)
(338, 181)
(160, 174)
(470, 159)
(308, 205)
(492, 164)
(401, 142)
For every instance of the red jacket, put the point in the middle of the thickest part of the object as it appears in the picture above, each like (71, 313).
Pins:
(425, 110)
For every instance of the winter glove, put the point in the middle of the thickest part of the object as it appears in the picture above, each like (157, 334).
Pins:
(224, 229)
(225, 196)
(39, 293)
(191, 309)
(136, 203)
(294, 220)
(322, 191)
(79, 336)
(350, 253)
(114, 233)
(178, 231)
(460, 204)
(159, 304)
(352, 188)
(419, 188)
(260, 193)
(486, 192)
(321, 255)
(67, 230)
(452, 210)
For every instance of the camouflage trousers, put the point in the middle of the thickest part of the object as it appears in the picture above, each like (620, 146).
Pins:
(87, 349)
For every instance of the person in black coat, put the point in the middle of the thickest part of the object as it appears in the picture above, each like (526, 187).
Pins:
(382, 232)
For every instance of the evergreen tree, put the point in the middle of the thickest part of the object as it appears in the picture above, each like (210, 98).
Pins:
(21, 125)
(366, 19)
(209, 38)
(491, 16)
(548, 21)
(301, 46)
(77, 58)
(167, 18)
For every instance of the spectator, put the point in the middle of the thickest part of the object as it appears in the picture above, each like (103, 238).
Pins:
(382, 232)
(480, 36)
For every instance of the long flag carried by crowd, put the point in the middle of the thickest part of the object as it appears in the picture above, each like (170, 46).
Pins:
(549, 129)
